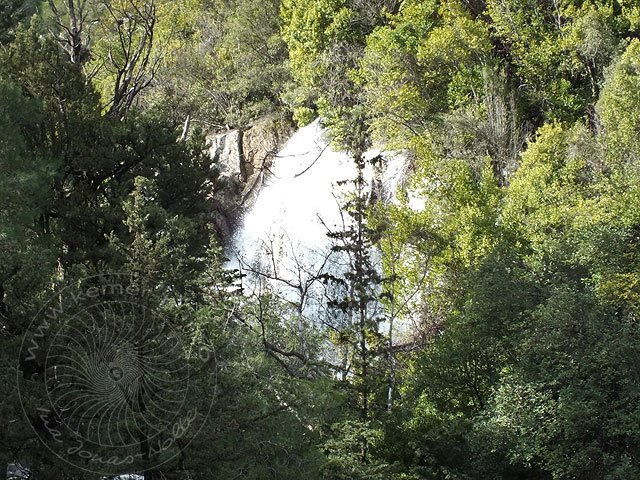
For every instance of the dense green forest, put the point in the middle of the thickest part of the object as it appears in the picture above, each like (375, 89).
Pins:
(520, 275)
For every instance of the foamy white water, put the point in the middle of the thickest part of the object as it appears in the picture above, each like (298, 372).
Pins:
(284, 234)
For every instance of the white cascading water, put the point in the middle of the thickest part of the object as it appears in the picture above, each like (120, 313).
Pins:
(284, 234)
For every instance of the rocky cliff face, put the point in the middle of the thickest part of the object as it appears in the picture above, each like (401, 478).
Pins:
(243, 156)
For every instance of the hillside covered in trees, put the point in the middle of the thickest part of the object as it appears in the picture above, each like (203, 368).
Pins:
(510, 255)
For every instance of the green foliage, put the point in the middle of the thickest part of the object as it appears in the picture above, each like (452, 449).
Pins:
(559, 52)
(231, 68)
(511, 264)
(619, 108)
(344, 453)
(569, 361)
(326, 40)
(12, 12)
(526, 295)
(427, 60)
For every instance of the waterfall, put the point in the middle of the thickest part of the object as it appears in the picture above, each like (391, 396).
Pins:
(284, 233)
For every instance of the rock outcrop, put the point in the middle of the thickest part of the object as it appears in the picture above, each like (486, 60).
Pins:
(226, 148)
(243, 156)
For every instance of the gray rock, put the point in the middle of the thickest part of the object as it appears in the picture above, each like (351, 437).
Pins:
(17, 471)
(243, 156)
(227, 149)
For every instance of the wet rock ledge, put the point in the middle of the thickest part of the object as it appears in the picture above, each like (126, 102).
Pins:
(244, 156)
